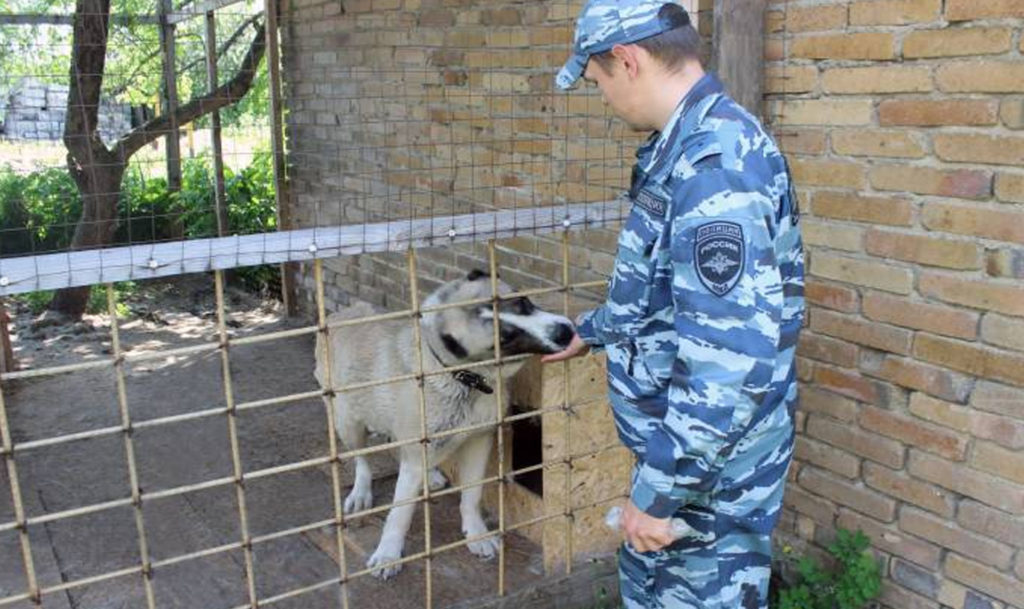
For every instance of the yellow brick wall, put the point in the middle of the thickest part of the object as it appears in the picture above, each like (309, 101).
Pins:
(423, 108)
(903, 122)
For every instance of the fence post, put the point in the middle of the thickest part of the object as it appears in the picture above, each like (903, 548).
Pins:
(170, 100)
(289, 294)
(7, 363)
(738, 50)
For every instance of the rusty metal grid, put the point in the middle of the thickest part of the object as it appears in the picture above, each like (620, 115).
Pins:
(136, 498)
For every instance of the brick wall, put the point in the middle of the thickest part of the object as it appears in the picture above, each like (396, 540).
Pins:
(902, 120)
(423, 108)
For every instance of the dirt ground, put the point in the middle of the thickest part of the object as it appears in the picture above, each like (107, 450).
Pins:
(69, 475)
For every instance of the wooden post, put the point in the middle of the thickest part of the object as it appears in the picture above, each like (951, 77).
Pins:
(738, 50)
(170, 106)
(7, 363)
(288, 294)
(218, 151)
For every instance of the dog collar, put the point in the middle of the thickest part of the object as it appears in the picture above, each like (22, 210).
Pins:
(466, 377)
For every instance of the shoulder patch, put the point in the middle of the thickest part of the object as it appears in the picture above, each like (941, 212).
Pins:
(718, 254)
(654, 204)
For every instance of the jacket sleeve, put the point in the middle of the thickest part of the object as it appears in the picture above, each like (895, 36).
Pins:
(597, 328)
(727, 300)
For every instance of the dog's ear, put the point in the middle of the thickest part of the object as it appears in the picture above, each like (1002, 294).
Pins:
(476, 274)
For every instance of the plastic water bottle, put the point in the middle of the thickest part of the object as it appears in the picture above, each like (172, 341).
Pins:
(613, 520)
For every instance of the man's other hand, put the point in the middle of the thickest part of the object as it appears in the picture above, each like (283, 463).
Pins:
(645, 533)
(576, 347)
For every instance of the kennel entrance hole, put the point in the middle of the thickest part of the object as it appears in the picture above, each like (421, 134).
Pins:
(527, 451)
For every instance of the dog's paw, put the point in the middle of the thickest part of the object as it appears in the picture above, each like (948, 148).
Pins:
(358, 500)
(485, 548)
(382, 556)
(437, 479)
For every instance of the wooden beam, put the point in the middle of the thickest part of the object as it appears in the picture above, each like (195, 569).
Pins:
(37, 19)
(169, 258)
(289, 290)
(168, 48)
(738, 50)
(215, 139)
(200, 8)
(173, 17)
(594, 583)
(7, 363)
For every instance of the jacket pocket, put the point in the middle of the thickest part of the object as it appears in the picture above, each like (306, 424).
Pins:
(651, 369)
(629, 290)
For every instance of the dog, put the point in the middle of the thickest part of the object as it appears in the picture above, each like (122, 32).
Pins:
(449, 337)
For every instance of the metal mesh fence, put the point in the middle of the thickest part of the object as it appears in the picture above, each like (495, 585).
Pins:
(423, 139)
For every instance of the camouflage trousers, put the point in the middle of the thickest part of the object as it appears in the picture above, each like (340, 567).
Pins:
(724, 561)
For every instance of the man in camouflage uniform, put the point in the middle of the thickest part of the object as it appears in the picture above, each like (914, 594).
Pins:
(702, 315)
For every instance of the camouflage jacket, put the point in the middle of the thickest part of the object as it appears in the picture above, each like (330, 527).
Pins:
(706, 299)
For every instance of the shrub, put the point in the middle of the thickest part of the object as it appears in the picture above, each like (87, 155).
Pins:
(854, 583)
(38, 211)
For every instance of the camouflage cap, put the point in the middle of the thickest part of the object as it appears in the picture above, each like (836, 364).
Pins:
(605, 23)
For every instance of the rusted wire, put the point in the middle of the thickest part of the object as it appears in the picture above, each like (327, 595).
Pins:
(129, 448)
(499, 416)
(332, 436)
(425, 466)
(236, 457)
(257, 540)
(20, 521)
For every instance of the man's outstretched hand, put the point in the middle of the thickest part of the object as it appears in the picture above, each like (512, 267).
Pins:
(576, 347)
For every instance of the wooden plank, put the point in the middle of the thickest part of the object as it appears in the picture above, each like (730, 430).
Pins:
(173, 17)
(289, 290)
(172, 141)
(593, 584)
(7, 363)
(199, 8)
(149, 261)
(43, 19)
(738, 50)
(215, 136)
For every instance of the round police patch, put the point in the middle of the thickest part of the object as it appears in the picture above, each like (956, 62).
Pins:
(718, 256)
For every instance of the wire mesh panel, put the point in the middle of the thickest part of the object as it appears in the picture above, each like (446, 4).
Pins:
(167, 456)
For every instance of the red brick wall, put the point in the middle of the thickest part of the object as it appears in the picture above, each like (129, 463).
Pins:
(902, 120)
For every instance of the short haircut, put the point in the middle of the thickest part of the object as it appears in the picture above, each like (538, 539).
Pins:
(673, 47)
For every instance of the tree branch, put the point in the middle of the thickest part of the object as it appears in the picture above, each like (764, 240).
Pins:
(231, 40)
(224, 95)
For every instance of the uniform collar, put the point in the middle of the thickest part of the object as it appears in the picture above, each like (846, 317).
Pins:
(651, 155)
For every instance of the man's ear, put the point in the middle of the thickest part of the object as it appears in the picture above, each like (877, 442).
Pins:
(628, 55)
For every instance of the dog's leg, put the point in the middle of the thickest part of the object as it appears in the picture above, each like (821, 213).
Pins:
(353, 436)
(437, 479)
(473, 457)
(392, 538)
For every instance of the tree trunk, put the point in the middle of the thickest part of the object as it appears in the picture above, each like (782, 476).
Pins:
(100, 190)
(98, 170)
(95, 170)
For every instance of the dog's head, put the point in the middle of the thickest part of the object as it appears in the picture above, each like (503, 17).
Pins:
(467, 333)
